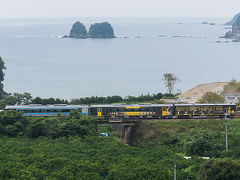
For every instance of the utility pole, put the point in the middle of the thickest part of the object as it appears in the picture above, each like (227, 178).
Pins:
(226, 129)
(175, 171)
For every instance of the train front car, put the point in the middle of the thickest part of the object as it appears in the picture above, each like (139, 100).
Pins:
(48, 110)
(123, 111)
(184, 111)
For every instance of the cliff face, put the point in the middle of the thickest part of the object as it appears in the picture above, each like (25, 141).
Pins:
(233, 20)
(236, 26)
(78, 31)
(101, 30)
(235, 34)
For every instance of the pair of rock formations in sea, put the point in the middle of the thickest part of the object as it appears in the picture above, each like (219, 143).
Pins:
(235, 33)
(97, 30)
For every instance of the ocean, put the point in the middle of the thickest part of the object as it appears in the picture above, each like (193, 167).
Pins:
(42, 63)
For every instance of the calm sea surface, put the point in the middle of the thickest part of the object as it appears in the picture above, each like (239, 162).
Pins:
(40, 62)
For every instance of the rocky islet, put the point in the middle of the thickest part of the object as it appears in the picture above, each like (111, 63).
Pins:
(97, 30)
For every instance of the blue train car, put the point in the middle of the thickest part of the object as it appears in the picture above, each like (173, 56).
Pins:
(48, 110)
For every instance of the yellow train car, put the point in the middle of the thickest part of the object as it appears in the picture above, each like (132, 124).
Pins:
(124, 111)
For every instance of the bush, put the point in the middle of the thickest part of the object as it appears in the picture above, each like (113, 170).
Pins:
(220, 169)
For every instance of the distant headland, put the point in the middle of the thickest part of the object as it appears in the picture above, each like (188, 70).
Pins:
(97, 30)
(235, 33)
(230, 23)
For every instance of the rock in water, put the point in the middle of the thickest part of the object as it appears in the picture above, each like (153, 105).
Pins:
(228, 35)
(101, 30)
(78, 31)
(233, 20)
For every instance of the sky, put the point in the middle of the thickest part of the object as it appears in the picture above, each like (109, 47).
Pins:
(118, 8)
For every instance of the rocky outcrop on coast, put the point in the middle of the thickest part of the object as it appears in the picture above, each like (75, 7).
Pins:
(230, 23)
(97, 30)
(235, 33)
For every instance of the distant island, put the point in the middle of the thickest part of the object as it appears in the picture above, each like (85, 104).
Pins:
(235, 33)
(205, 22)
(97, 30)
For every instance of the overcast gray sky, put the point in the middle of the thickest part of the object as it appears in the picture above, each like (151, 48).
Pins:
(118, 8)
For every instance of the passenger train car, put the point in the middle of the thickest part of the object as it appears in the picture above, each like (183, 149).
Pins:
(47, 110)
(204, 110)
(135, 111)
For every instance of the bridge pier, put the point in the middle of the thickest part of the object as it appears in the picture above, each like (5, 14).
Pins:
(125, 129)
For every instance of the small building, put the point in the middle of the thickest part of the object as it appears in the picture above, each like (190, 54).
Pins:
(232, 97)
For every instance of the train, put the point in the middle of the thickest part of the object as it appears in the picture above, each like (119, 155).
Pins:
(131, 111)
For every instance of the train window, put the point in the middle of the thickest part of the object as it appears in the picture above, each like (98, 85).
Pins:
(51, 110)
(67, 110)
(36, 110)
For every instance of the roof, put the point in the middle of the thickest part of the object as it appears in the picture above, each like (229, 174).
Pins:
(130, 105)
(224, 104)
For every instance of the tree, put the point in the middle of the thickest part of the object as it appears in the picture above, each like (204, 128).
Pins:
(232, 87)
(23, 98)
(2, 67)
(170, 80)
(219, 169)
(212, 97)
(203, 144)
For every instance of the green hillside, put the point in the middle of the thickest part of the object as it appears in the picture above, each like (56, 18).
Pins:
(72, 148)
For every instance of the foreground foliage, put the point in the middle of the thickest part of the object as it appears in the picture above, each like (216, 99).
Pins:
(71, 148)
(13, 124)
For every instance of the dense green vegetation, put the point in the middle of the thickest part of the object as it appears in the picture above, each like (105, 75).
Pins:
(2, 67)
(26, 98)
(13, 124)
(71, 148)
(204, 138)
(154, 98)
